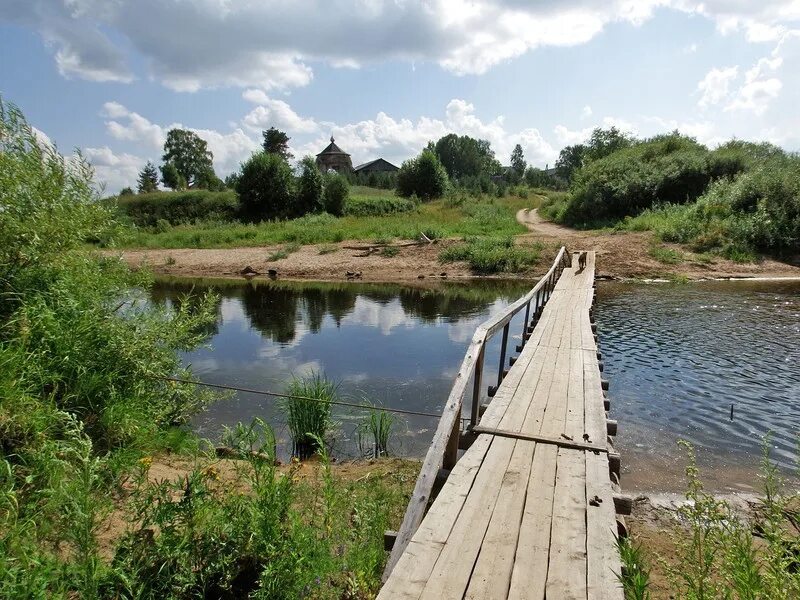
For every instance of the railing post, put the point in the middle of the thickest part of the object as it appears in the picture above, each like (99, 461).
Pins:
(504, 343)
(451, 450)
(476, 388)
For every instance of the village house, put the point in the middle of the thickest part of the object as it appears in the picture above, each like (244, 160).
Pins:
(333, 158)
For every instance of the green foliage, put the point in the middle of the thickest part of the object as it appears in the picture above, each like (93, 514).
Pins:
(518, 163)
(374, 431)
(492, 255)
(373, 206)
(424, 177)
(284, 252)
(266, 187)
(390, 251)
(473, 217)
(276, 142)
(569, 161)
(538, 178)
(665, 255)
(148, 179)
(336, 193)
(190, 156)
(179, 208)
(380, 180)
(669, 168)
(635, 575)
(463, 156)
(171, 178)
(310, 186)
(308, 414)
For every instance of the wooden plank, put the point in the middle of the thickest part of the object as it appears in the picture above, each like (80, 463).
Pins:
(559, 442)
(593, 399)
(491, 577)
(566, 575)
(603, 564)
(533, 547)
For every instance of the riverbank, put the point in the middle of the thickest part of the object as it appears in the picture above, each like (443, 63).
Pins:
(624, 255)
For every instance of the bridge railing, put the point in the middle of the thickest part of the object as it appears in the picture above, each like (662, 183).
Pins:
(443, 451)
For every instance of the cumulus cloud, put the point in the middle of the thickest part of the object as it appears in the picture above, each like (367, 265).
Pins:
(273, 43)
(715, 86)
(275, 113)
(113, 171)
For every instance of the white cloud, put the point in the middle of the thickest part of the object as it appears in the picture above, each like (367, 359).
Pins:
(586, 112)
(135, 127)
(715, 86)
(113, 171)
(275, 113)
(760, 86)
(272, 43)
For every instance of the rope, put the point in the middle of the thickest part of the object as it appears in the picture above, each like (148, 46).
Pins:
(289, 396)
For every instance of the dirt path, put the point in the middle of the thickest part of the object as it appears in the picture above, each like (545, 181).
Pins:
(628, 254)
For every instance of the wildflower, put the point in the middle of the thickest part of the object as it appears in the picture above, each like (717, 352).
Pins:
(146, 461)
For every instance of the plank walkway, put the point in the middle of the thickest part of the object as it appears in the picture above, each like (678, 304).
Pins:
(522, 515)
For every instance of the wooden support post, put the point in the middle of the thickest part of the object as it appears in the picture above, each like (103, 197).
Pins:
(614, 464)
(388, 540)
(611, 427)
(606, 404)
(623, 504)
(477, 386)
(604, 384)
(525, 322)
(600, 366)
(451, 450)
(512, 360)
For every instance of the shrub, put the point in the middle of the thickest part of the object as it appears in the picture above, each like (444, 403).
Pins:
(310, 186)
(376, 206)
(669, 168)
(423, 176)
(179, 208)
(491, 255)
(336, 193)
(266, 187)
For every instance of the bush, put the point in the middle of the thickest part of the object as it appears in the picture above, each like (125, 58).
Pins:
(310, 186)
(336, 193)
(423, 176)
(669, 168)
(375, 206)
(179, 208)
(491, 255)
(266, 187)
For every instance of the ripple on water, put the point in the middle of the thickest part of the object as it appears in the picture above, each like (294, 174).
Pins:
(679, 356)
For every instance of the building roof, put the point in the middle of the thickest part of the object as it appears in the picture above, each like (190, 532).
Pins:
(332, 149)
(372, 162)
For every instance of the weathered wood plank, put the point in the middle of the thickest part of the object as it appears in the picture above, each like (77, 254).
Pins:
(603, 564)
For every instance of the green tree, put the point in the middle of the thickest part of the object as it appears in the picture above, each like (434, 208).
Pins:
(518, 163)
(171, 177)
(148, 179)
(603, 142)
(570, 159)
(208, 180)
(277, 142)
(190, 155)
(310, 187)
(464, 156)
(266, 187)
(423, 176)
(231, 179)
(336, 192)
(126, 191)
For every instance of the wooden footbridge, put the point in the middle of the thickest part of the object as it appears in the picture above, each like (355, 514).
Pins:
(527, 503)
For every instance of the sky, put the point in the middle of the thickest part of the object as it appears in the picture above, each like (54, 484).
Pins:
(384, 77)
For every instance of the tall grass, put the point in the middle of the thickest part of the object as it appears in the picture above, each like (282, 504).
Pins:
(308, 415)
(487, 255)
(374, 432)
(476, 217)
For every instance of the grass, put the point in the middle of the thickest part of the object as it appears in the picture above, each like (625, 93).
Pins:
(665, 255)
(716, 553)
(284, 252)
(328, 249)
(475, 217)
(309, 416)
(374, 432)
(389, 251)
(487, 255)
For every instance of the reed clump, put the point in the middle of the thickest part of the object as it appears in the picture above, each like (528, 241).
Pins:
(308, 412)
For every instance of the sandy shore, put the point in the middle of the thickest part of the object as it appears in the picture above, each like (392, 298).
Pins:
(620, 256)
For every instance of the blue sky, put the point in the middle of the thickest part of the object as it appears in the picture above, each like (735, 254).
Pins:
(384, 77)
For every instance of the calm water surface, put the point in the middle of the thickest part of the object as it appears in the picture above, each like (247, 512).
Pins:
(388, 345)
(677, 357)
